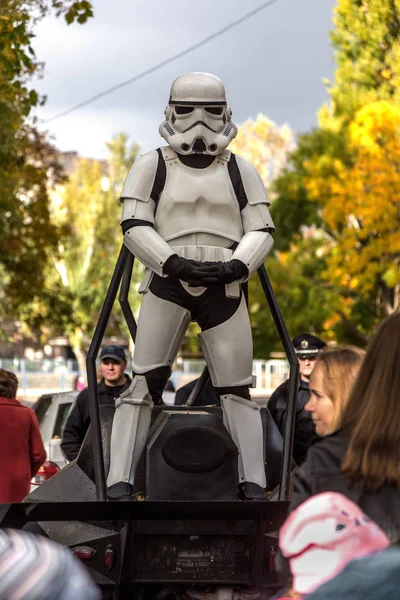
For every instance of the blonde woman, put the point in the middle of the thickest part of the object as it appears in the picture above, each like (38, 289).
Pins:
(330, 385)
(362, 458)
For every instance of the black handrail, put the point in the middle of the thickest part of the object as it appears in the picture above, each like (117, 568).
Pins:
(124, 294)
(198, 388)
(93, 392)
(284, 487)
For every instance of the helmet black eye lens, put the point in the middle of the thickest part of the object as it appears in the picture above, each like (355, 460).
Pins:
(214, 110)
(184, 110)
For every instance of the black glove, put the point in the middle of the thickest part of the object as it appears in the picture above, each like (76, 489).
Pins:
(215, 273)
(184, 268)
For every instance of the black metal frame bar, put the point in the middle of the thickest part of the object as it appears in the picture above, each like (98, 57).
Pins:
(124, 293)
(93, 392)
(284, 487)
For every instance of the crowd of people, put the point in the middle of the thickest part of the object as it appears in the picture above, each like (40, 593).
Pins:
(342, 533)
(350, 479)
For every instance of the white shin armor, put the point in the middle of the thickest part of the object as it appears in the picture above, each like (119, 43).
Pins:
(243, 421)
(130, 430)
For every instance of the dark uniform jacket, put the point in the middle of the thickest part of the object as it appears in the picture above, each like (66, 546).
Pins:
(78, 420)
(304, 434)
(321, 473)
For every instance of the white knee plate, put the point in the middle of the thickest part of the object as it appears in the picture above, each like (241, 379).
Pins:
(228, 350)
(243, 421)
(130, 430)
(161, 327)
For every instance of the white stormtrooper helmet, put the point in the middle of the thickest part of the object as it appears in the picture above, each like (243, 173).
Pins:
(198, 120)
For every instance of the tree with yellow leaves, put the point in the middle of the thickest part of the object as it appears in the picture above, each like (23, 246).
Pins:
(266, 145)
(367, 43)
(342, 182)
(362, 211)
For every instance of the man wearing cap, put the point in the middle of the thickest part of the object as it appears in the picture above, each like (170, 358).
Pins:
(306, 347)
(113, 382)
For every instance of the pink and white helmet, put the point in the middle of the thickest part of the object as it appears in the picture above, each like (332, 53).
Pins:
(323, 535)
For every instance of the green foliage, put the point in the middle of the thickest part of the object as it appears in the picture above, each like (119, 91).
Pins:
(27, 164)
(79, 11)
(338, 195)
(367, 43)
(303, 297)
(87, 211)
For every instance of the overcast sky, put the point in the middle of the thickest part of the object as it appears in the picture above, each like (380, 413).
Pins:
(273, 63)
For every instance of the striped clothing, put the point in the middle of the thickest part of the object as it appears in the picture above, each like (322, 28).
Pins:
(35, 568)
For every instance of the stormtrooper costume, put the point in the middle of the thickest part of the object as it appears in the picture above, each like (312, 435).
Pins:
(197, 217)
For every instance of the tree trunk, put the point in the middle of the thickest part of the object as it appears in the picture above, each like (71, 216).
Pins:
(78, 344)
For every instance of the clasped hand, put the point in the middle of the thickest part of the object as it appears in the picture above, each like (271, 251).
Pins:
(205, 274)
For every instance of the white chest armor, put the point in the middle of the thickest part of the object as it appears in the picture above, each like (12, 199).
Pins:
(197, 201)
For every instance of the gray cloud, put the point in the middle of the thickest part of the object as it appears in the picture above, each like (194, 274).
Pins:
(274, 63)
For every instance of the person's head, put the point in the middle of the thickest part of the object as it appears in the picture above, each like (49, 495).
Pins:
(197, 118)
(372, 414)
(307, 347)
(113, 365)
(37, 568)
(8, 384)
(330, 385)
(323, 535)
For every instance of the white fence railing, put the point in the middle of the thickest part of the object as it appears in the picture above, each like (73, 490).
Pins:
(46, 376)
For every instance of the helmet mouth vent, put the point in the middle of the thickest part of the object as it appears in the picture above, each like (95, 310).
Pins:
(227, 130)
(213, 148)
(169, 129)
(199, 146)
(185, 147)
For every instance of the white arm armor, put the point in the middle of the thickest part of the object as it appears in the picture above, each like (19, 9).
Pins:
(143, 241)
(253, 249)
(255, 245)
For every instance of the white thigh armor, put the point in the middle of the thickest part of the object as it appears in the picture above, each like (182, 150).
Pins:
(228, 349)
(161, 327)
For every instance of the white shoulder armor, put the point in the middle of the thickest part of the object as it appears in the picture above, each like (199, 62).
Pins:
(255, 215)
(135, 194)
(140, 180)
(252, 182)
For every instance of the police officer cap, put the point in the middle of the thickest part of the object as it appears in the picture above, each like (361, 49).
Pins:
(307, 345)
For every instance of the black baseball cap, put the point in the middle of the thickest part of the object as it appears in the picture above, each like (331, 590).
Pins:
(307, 345)
(113, 351)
